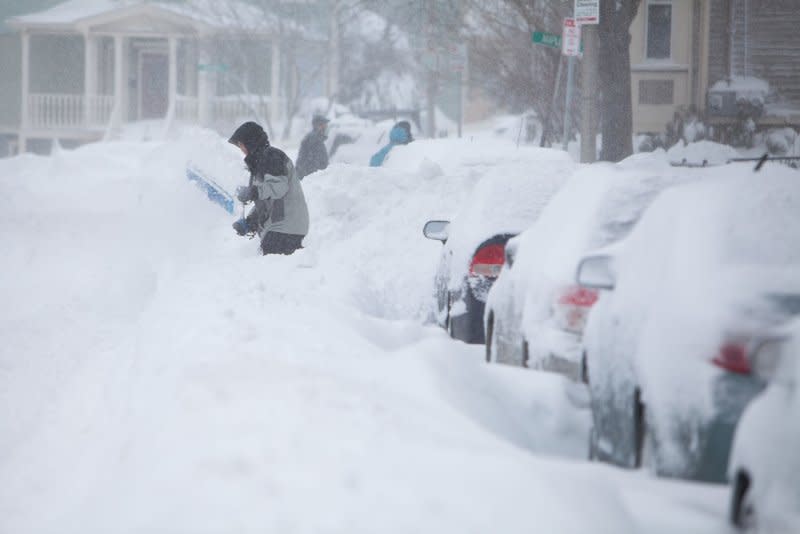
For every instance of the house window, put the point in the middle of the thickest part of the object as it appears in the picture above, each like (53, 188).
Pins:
(659, 29)
(656, 92)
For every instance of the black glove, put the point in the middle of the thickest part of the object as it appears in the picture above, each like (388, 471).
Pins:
(247, 193)
(241, 227)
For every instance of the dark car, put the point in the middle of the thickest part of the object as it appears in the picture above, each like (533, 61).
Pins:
(474, 247)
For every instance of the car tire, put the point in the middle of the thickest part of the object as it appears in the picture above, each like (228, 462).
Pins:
(584, 369)
(742, 511)
(639, 428)
(448, 325)
(489, 337)
(526, 355)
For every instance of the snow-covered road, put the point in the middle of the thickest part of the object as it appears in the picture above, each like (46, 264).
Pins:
(157, 375)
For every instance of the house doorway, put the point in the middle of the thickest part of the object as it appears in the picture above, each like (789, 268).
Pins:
(153, 84)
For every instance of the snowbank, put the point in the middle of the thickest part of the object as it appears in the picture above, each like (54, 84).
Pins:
(157, 374)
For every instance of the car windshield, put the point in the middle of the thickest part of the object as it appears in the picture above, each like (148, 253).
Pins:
(622, 207)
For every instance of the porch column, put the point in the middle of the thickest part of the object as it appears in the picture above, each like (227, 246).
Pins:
(120, 82)
(205, 84)
(89, 78)
(274, 107)
(24, 119)
(173, 75)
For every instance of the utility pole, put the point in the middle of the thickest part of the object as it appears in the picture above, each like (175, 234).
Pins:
(431, 81)
(589, 92)
(587, 13)
(334, 52)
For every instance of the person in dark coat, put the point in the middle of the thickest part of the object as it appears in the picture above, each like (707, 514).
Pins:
(280, 214)
(313, 155)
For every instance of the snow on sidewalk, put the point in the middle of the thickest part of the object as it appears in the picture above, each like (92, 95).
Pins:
(157, 375)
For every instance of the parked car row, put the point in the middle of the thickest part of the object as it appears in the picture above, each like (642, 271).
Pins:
(672, 295)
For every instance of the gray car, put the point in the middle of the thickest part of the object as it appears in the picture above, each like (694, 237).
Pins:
(686, 302)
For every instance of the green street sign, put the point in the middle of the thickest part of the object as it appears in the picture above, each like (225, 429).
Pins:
(212, 67)
(546, 39)
(549, 39)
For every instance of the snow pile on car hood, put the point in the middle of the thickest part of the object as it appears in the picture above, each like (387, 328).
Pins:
(599, 203)
(501, 189)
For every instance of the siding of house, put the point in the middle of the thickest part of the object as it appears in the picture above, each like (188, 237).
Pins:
(757, 38)
(56, 64)
(719, 34)
(10, 81)
(661, 86)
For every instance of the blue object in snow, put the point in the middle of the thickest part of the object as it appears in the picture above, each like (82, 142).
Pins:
(397, 136)
(215, 192)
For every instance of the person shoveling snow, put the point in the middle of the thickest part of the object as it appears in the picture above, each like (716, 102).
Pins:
(280, 214)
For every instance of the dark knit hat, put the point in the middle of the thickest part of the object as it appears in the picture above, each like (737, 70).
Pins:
(251, 135)
(319, 119)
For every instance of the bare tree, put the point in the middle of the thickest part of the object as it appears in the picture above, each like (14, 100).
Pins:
(504, 61)
(615, 78)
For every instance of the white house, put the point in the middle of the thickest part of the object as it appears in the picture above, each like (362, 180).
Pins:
(79, 71)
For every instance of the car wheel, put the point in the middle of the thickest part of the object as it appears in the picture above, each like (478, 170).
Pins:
(592, 453)
(639, 427)
(742, 511)
(525, 353)
(584, 369)
(448, 324)
(489, 337)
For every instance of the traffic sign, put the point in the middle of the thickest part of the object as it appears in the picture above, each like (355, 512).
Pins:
(546, 39)
(571, 38)
(587, 11)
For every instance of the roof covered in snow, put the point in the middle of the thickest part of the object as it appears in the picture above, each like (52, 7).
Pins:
(202, 15)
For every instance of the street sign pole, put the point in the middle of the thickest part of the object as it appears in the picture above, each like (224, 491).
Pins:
(568, 102)
(570, 46)
(549, 124)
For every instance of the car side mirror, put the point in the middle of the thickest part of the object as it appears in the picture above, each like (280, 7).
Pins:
(436, 230)
(596, 272)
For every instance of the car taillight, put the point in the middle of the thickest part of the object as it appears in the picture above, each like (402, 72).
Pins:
(572, 307)
(488, 261)
(733, 358)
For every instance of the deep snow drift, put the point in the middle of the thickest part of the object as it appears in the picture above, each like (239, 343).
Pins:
(156, 374)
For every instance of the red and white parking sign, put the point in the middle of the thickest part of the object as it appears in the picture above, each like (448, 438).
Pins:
(571, 38)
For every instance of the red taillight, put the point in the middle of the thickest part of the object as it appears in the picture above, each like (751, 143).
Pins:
(572, 306)
(578, 296)
(733, 357)
(488, 261)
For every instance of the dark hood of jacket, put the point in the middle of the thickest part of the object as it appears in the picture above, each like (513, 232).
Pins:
(251, 135)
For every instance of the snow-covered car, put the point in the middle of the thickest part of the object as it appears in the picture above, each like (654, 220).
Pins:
(765, 458)
(708, 269)
(535, 311)
(473, 253)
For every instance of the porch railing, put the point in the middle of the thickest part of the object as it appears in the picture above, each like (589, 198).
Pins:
(223, 109)
(58, 110)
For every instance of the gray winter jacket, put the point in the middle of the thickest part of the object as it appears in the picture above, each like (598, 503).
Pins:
(281, 205)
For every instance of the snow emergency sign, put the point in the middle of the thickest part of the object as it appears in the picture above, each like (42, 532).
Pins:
(587, 11)
(571, 38)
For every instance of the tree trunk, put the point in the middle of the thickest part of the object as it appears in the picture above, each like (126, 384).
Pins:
(615, 78)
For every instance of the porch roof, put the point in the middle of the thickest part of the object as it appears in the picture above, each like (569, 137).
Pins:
(203, 16)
